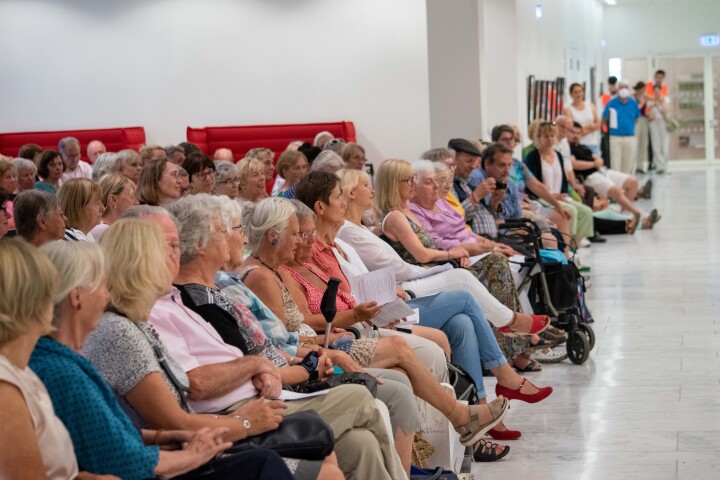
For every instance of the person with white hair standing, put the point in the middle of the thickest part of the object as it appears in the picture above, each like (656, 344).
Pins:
(620, 114)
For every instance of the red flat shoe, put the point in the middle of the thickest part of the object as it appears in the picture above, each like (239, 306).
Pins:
(540, 323)
(504, 434)
(511, 394)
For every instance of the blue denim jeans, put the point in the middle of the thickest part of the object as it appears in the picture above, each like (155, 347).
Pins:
(472, 341)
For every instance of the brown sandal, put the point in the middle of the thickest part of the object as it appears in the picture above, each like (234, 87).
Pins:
(473, 430)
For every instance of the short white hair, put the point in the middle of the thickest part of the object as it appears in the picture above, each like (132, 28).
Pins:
(105, 163)
(194, 215)
(230, 210)
(423, 167)
(327, 161)
(24, 164)
(268, 214)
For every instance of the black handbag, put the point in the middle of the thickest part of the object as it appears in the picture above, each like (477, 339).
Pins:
(438, 473)
(302, 435)
(358, 378)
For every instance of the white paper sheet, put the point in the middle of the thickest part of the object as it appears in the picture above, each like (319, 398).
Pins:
(476, 258)
(391, 312)
(376, 286)
(288, 395)
(413, 319)
(431, 271)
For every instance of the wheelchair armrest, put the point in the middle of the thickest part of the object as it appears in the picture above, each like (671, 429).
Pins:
(354, 331)
(410, 294)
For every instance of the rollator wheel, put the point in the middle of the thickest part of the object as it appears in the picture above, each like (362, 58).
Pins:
(584, 327)
(578, 347)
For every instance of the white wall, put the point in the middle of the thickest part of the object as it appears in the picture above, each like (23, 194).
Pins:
(641, 29)
(166, 64)
(454, 70)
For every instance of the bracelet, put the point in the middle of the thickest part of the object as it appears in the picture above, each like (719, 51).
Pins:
(448, 252)
(156, 439)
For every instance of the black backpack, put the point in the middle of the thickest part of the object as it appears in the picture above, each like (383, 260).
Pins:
(462, 382)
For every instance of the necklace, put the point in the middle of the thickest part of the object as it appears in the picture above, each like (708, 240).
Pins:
(267, 266)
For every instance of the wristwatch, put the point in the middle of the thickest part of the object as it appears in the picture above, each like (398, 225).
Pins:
(310, 363)
(245, 423)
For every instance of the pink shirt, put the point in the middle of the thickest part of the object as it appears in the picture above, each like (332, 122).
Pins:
(193, 343)
(446, 226)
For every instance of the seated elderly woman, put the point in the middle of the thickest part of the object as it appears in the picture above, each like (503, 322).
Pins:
(396, 184)
(291, 166)
(26, 172)
(226, 179)
(133, 164)
(8, 182)
(108, 162)
(267, 157)
(50, 170)
(251, 174)
(35, 443)
(354, 156)
(223, 376)
(152, 152)
(159, 182)
(117, 194)
(104, 438)
(273, 239)
(153, 387)
(201, 172)
(81, 203)
(40, 218)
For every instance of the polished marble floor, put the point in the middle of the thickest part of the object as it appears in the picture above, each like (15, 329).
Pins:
(646, 405)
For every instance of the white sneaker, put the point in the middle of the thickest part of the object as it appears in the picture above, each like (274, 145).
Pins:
(547, 355)
(585, 243)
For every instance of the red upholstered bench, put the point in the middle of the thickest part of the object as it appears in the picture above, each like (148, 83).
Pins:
(115, 139)
(275, 137)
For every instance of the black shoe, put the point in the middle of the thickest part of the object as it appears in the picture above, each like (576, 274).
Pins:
(646, 190)
(597, 238)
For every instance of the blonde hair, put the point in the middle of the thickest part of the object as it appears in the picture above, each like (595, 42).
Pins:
(287, 160)
(387, 191)
(114, 184)
(350, 179)
(138, 273)
(350, 149)
(27, 283)
(79, 264)
(246, 167)
(545, 128)
(532, 128)
(74, 195)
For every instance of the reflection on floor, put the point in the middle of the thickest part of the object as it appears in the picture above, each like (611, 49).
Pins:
(646, 405)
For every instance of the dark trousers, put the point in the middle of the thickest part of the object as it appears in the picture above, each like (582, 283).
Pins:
(255, 464)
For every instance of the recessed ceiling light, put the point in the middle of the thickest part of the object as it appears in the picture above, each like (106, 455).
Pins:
(611, 2)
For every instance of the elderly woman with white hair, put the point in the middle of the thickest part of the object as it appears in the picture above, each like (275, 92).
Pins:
(108, 162)
(133, 163)
(226, 179)
(103, 437)
(26, 172)
(327, 161)
(251, 177)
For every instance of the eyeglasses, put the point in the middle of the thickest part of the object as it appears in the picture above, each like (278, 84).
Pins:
(174, 173)
(241, 229)
(308, 235)
(410, 180)
(205, 174)
(229, 181)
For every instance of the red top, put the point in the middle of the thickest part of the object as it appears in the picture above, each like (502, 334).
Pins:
(323, 259)
(313, 294)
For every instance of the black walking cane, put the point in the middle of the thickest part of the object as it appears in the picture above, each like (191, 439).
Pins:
(328, 307)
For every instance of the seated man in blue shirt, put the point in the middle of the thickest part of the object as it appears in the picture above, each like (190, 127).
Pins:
(620, 115)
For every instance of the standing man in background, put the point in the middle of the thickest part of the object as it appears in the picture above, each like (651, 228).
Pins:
(620, 115)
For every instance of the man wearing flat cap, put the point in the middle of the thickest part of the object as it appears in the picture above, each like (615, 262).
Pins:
(477, 215)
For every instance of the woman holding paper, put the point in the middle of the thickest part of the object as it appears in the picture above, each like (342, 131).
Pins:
(273, 239)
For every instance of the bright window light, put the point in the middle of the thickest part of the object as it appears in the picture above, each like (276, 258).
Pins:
(615, 67)
(538, 11)
(611, 2)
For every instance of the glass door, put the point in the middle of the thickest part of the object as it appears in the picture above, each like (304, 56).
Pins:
(685, 78)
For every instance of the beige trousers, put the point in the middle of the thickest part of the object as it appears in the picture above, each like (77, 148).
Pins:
(622, 154)
(364, 447)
